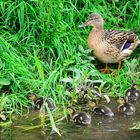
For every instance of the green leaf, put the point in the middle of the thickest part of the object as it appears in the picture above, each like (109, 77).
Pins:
(107, 98)
(3, 117)
(53, 124)
(4, 81)
(67, 80)
(39, 66)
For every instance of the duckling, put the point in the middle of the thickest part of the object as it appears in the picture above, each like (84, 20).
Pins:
(125, 107)
(110, 46)
(101, 109)
(132, 93)
(39, 101)
(83, 94)
(80, 118)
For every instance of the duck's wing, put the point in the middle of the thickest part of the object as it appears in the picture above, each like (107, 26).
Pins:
(120, 39)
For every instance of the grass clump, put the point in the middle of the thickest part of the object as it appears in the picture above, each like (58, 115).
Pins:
(41, 47)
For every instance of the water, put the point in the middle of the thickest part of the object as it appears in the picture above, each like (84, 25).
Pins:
(102, 128)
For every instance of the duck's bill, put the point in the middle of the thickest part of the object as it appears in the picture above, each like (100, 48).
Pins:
(83, 25)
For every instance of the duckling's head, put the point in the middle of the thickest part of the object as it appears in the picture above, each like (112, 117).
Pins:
(95, 20)
(122, 100)
(71, 111)
(134, 86)
(92, 103)
(33, 97)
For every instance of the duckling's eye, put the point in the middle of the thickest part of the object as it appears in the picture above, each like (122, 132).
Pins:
(81, 118)
(131, 108)
(124, 108)
(128, 93)
(102, 110)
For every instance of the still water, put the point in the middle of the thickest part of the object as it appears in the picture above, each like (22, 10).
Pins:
(102, 128)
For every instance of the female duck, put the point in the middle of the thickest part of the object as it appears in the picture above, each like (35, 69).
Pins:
(125, 107)
(80, 118)
(110, 46)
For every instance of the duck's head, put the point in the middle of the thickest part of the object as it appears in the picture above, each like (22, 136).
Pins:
(95, 20)
(33, 97)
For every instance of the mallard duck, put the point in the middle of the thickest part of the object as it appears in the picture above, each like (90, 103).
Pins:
(100, 109)
(110, 46)
(132, 93)
(39, 101)
(81, 118)
(125, 107)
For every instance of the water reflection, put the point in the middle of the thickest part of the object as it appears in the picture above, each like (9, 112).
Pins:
(102, 128)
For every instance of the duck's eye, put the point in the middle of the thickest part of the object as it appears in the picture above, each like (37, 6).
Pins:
(128, 93)
(81, 118)
(131, 108)
(102, 110)
(124, 108)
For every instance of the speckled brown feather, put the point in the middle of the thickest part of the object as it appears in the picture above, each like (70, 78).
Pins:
(117, 38)
(110, 46)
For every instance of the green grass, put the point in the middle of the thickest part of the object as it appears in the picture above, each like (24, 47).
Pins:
(41, 44)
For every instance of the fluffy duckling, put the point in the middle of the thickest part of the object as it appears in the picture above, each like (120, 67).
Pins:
(80, 118)
(101, 109)
(132, 93)
(39, 101)
(83, 94)
(125, 107)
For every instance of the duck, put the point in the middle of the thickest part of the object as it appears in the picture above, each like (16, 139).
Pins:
(110, 46)
(100, 109)
(132, 93)
(81, 118)
(125, 107)
(38, 102)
